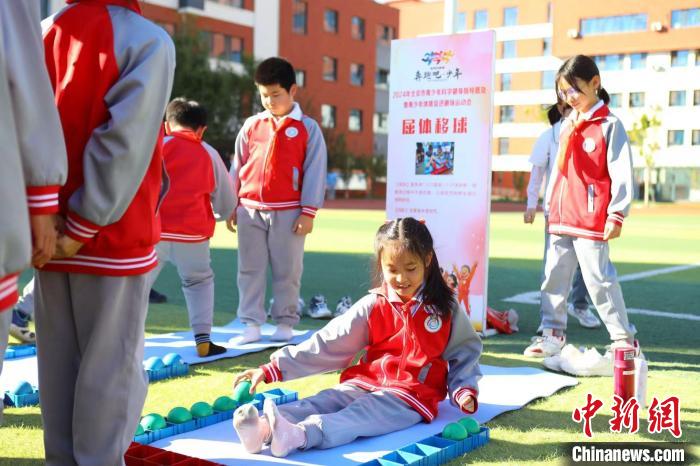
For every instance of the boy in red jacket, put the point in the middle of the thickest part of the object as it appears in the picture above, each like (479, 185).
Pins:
(111, 71)
(279, 177)
(199, 188)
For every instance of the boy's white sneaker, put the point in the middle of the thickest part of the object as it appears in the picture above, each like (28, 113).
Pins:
(251, 334)
(569, 352)
(282, 333)
(584, 316)
(545, 346)
(589, 364)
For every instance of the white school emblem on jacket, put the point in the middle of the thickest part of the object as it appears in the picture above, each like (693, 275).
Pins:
(589, 145)
(433, 323)
(291, 132)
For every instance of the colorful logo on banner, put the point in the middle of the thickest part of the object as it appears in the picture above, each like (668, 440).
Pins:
(438, 70)
(442, 57)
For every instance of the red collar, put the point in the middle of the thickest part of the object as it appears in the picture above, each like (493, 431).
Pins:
(132, 5)
(186, 134)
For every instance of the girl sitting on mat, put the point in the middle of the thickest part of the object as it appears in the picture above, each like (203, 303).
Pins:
(418, 347)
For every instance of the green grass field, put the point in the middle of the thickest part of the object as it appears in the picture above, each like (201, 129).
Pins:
(338, 262)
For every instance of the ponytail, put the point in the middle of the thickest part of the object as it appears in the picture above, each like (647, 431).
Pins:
(553, 114)
(603, 95)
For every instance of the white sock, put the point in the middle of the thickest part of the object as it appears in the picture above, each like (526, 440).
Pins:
(283, 333)
(253, 430)
(286, 437)
(251, 334)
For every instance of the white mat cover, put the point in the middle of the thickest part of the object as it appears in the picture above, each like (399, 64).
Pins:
(502, 389)
(16, 370)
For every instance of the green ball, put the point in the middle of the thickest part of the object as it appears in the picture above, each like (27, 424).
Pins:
(139, 430)
(241, 392)
(152, 421)
(454, 431)
(201, 409)
(178, 415)
(225, 403)
(470, 424)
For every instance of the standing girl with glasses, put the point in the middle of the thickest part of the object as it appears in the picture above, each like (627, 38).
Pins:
(591, 196)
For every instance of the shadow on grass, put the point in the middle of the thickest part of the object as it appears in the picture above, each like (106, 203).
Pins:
(20, 462)
(16, 418)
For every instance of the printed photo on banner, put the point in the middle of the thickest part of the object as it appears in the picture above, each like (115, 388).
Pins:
(435, 158)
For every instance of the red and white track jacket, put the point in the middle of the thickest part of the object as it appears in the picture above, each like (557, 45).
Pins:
(33, 157)
(596, 184)
(280, 164)
(410, 352)
(112, 71)
(199, 187)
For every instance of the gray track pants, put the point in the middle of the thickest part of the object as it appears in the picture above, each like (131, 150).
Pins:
(266, 237)
(5, 319)
(341, 414)
(193, 266)
(601, 281)
(90, 332)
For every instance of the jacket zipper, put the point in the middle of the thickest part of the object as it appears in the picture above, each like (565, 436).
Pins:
(267, 153)
(406, 336)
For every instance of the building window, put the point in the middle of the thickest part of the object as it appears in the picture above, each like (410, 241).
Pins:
(357, 74)
(675, 137)
(510, 16)
(615, 100)
(233, 3)
(299, 13)
(679, 58)
(330, 21)
(547, 46)
(461, 25)
(355, 120)
(385, 34)
(382, 79)
(481, 19)
(696, 97)
(509, 49)
(330, 69)
(327, 116)
(608, 62)
(300, 77)
(233, 49)
(685, 18)
(676, 99)
(696, 137)
(381, 123)
(503, 146)
(357, 28)
(613, 24)
(636, 99)
(505, 81)
(507, 114)
(638, 61)
(547, 80)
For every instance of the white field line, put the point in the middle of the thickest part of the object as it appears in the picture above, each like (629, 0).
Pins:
(533, 297)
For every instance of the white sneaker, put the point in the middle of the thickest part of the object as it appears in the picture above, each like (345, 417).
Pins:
(589, 364)
(610, 349)
(553, 363)
(344, 305)
(545, 346)
(318, 309)
(584, 316)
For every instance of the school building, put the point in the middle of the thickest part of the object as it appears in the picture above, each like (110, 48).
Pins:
(648, 53)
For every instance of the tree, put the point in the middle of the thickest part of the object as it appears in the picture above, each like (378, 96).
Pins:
(227, 95)
(644, 135)
(374, 167)
(339, 157)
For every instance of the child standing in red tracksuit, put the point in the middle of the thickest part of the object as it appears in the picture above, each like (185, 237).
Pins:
(590, 199)
(419, 347)
(199, 188)
(279, 176)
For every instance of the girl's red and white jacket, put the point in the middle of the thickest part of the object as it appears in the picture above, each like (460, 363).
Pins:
(112, 71)
(410, 352)
(595, 185)
(33, 151)
(199, 188)
(280, 164)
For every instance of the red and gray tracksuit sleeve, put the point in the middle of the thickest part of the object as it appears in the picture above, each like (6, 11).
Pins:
(330, 349)
(223, 199)
(119, 152)
(315, 165)
(462, 354)
(240, 157)
(34, 164)
(620, 171)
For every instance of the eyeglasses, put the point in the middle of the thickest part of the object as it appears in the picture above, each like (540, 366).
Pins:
(570, 92)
